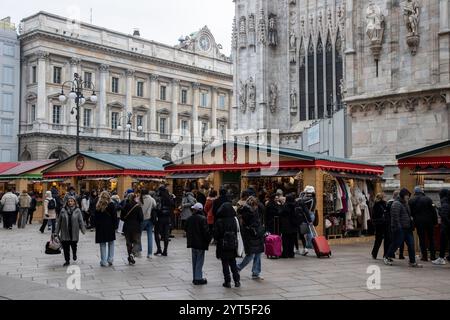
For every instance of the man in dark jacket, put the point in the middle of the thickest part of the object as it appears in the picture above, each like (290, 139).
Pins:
(272, 214)
(444, 213)
(402, 229)
(225, 233)
(425, 219)
(198, 239)
(289, 227)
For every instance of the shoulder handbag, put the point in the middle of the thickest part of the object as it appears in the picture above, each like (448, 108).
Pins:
(304, 229)
(240, 248)
(129, 212)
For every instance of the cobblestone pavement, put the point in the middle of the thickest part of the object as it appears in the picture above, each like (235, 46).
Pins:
(165, 278)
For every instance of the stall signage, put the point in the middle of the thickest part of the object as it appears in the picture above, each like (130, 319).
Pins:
(314, 135)
(79, 163)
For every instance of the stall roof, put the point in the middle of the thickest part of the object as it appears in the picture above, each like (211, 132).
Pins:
(4, 166)
(22, 168)
(126, 162)
(301, 159)
(423, 150)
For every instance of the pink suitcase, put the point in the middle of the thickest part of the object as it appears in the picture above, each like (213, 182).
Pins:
(273, 246)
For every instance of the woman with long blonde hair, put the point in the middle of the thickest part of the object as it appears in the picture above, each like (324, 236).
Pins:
(106, 222)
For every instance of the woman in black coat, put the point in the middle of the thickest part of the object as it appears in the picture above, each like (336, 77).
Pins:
(225, 233)
(253, 237)
(380, 224)
(105, 222)
(272, 213)
(132, 216)
(165, 207)
(289, 227)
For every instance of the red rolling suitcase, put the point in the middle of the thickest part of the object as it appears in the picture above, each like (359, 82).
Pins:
(273, 243)
(320, 243)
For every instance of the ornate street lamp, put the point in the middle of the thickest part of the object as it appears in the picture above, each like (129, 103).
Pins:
(129, 124)
(78, 86)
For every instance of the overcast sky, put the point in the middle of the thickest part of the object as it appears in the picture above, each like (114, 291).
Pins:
(159, 20)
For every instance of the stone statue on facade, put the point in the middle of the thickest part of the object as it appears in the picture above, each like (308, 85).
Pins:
(375, 28)
(411, 14)
(273, 98)
(262, 27)
(294, 101)
(243, 96)
(243, 32)
(251, 87)
(293, 41)
(273, 33)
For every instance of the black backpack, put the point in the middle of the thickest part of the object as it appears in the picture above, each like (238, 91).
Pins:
(51, 204)
(229, 241)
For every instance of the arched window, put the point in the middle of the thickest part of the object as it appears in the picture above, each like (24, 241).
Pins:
(329, 80)
(303, 91)
(320, 82)
(59, 155)
(311, 76)
(339, 70)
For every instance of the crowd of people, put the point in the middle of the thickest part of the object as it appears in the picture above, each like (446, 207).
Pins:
(396, 220)
(237, 230)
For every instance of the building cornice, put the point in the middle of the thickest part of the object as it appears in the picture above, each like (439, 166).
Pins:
(36, 34)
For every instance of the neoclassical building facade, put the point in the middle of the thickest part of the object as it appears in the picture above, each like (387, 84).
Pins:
(383, 64)
(170, 91)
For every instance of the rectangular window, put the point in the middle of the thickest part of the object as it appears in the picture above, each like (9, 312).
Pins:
(34, 74)
(115, 85)
(204, 99)
(222, 101)
(87, 118)
(185, 127)
(88, 79)
(5, 155)
(8, 75)
(7, 102)
(33, 113)
(9, 50)
(140, 122)
(184, 94)
(56, 114)
(162, 93)
(57, 74)
(140, 89)
(204, 128)
(114, 120)
(7, 127)
(162, 125)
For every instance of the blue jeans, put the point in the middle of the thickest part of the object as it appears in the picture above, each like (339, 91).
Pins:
(147, 225)
(256, 269)
(198, 259)
(399, 237)
(106, 258)
(309, 235)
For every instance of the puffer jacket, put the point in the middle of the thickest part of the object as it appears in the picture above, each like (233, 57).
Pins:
(400, 216)
(49, 214)
(252, 230)
(9, 202)
(422, 210)
(186, 203)
(147, 207)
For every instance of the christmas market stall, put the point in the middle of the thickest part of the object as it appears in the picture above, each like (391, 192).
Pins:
(238, 167)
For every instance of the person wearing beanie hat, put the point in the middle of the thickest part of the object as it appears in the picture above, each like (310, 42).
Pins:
(425, 219)
(198, 239)
(402, 229)
(444, 213)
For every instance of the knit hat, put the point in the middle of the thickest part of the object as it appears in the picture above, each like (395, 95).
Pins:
(404, 192)
(418, 189)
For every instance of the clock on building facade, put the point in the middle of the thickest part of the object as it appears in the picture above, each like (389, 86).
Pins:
(205, 43)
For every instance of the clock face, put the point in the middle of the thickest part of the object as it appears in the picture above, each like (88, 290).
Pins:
(205, 43)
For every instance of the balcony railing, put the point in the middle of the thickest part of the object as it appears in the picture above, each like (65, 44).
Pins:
(57, 127)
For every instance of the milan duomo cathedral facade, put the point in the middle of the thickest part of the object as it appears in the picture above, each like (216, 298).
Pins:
(385, 65)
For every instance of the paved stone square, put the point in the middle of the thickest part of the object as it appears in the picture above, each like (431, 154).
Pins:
(343, 277)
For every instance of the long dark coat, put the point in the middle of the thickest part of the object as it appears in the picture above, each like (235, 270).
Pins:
(252, 231)
(133, 220)
(106, 224)
(225, 221)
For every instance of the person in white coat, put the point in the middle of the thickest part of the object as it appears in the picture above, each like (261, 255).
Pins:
(9, 204)
(49, 212)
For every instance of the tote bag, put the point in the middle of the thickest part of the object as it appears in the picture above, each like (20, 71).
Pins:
(240, 248)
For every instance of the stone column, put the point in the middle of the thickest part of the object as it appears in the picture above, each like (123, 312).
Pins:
(129, 93)
(102, 112)
(443, 16)
(152, 114)
(174, 111)
(444, 41)
(195, 105)
(42, 114)
(214, 108)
